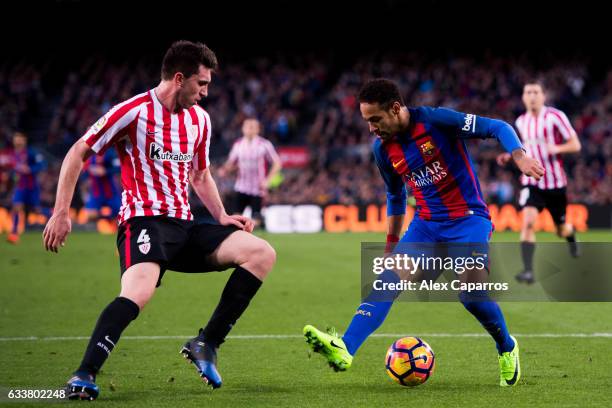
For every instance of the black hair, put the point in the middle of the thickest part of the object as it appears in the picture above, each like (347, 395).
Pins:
(382, 91)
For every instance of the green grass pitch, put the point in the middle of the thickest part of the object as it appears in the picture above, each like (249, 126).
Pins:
(316, 280)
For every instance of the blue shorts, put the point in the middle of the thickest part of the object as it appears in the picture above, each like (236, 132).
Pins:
(96, 203)
(27, 196)
(471, 229)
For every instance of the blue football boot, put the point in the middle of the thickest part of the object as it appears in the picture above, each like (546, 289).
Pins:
(204, 357)
(82, 386)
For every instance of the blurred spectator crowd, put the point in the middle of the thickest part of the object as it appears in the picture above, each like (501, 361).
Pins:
(308, 101)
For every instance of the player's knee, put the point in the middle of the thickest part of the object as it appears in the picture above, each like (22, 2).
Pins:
(262, 257)
(266, 256)
(139, 295)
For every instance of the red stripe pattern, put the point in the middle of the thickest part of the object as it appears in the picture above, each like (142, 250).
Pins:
(448, 189)
(157, 149)
(251, 156)
(549, 127)
(398, 160)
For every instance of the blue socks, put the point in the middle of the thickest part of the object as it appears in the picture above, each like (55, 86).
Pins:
(488, 313)
(367, 319)
(370, 314)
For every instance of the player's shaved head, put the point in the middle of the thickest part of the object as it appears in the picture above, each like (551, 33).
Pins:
(381, 91)
(186, 57)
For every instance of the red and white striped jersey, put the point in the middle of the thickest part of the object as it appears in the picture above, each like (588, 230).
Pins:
(251, 157)
(157, 149)
(549, 127)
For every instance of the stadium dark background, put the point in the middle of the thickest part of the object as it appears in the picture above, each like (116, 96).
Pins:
(69, 30)
(57, 37)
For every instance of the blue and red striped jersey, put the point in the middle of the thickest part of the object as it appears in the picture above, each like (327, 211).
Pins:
(103, 185)
(27, 164)
(432, 159)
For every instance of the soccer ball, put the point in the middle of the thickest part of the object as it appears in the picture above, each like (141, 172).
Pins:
(410, 361)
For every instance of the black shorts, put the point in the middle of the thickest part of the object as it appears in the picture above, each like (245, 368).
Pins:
(174, 244)
(555, 200)
(246, 200)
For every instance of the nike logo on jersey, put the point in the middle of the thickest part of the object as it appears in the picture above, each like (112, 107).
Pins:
(395, 165)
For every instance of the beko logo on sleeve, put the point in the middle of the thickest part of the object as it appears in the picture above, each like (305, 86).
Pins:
(469, 123)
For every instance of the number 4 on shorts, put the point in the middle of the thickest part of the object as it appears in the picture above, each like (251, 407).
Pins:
(143, 238)
(143, 242)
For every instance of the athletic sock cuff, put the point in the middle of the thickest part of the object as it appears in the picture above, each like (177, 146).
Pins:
(129, 307)
(244, 281)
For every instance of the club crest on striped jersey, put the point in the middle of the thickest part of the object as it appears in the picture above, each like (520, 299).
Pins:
(428, 148)
(157, 152)
(192, 133)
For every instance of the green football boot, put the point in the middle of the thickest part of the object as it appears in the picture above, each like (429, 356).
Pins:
(510, 367)
(330, 346)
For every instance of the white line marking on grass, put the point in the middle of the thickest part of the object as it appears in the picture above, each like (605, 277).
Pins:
(298, 336)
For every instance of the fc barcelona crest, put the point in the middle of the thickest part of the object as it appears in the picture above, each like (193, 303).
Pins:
(428, 148)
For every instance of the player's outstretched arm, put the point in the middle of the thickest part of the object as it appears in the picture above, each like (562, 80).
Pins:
(510, 141)
(59, 226)
(468, 126)
(527, 165)
(206, 188)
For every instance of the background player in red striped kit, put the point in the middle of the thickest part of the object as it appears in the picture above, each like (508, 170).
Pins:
(547, 135)
(251, 155)
(163, 139)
